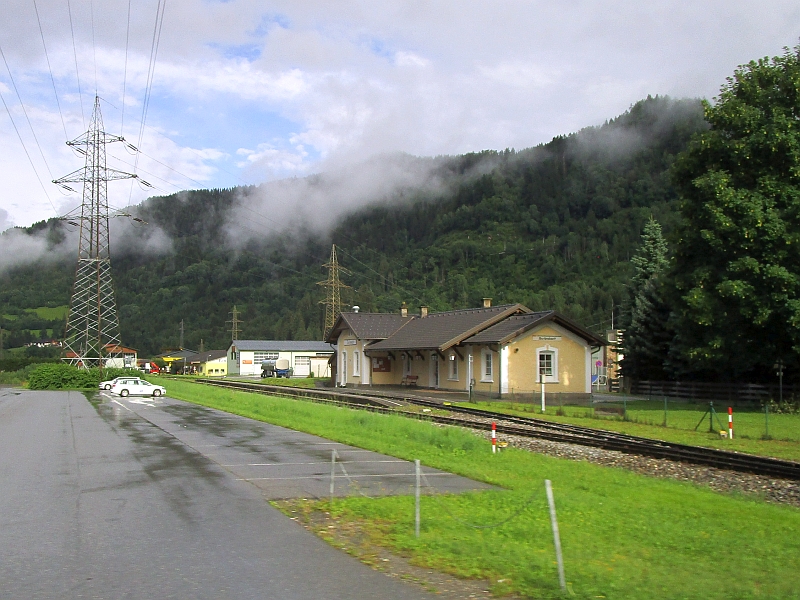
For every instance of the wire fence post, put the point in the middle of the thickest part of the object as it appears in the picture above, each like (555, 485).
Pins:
(665, 410)
(333, 472)
(416, 498)
(562, 580)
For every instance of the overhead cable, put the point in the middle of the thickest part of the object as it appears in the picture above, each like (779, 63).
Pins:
(75, 54)
(28, 154)
(25, 112)
(125, 73)
(49, 68)
(154, 44)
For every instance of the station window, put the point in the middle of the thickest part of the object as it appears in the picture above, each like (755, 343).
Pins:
(487, 373)
(453, 370)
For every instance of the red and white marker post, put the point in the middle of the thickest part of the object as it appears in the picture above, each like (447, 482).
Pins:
(494, 437)
(730, 422)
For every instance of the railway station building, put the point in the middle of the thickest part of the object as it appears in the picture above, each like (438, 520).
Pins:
(498, 350)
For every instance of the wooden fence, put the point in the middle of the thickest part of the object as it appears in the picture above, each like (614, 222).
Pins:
(726, 392)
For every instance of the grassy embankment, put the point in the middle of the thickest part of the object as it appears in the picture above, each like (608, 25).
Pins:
(624, 535)
(645, 418)
(301, 382)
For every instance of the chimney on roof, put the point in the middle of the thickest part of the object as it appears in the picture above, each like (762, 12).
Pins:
(403, 310)
(356, 309)
(423, 311)
(487, 303)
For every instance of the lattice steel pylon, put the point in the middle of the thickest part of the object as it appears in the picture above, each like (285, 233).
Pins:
(333, 301)
(92, 331)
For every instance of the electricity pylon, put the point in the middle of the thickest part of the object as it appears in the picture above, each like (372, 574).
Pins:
(92, 331)
(333, 301)
(234, 330)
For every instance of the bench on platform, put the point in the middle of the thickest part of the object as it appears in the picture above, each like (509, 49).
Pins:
(409, 380)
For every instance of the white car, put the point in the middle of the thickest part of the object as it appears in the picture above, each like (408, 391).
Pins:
(107, 385)
(133, 386)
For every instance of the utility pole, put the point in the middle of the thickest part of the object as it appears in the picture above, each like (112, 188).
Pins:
(234, 322)
(92, 328)
(181, 343)
(333, 300)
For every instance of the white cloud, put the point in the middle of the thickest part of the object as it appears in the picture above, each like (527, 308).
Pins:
(308, 85)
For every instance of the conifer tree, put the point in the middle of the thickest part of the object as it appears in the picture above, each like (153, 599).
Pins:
(647, 336)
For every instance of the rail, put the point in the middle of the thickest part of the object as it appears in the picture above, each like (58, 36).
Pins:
(533, 428)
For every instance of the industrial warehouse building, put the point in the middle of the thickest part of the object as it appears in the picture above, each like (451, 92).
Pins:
(305, 358)
(496, 349)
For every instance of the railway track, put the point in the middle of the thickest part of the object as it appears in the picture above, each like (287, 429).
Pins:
(390, 402)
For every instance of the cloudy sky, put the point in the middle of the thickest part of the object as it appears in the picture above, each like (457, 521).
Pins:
(247, 91)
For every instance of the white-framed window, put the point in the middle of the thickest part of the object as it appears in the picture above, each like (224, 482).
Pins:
(259, 357)
(452, 371)
(487, 366)
(356, 364)
(547, 365)
(344, 367)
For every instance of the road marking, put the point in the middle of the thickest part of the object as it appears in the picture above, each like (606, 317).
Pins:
(325, 476)
(338, 462)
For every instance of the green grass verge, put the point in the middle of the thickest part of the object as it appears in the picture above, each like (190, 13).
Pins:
(624, 535)
(646, 418)
(300, 382)
(51, 313)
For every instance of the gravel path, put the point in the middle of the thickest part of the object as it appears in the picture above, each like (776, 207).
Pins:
(783, 491)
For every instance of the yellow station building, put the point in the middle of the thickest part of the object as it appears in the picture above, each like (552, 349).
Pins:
(505, 349)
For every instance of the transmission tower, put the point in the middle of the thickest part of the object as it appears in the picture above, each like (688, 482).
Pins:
(234, 330)
(92, 330)
(333, 300)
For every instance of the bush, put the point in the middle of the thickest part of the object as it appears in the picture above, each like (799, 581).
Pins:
(62, 376)
(17, 377)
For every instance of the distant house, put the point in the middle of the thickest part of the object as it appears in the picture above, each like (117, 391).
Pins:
(177, 360)
(495, 349)
(244, 357)
(120, 357)
(211, 363)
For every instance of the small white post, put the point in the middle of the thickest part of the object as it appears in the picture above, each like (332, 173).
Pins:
(333, 472)
(556, 537)
(416, 498)
(494, 437)
(542, 392)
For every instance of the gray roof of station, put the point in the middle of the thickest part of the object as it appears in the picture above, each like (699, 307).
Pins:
(282, 346)
(445, 329)
(515, 325)
(369, 326)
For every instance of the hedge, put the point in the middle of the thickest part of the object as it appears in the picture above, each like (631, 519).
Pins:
(62, 376)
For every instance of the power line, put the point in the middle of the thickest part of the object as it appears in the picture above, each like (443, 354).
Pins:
(24, 111)
(151, 67)
(28, 154)
(53, 79)
(125, 75)
(94, 45)
(75, 54)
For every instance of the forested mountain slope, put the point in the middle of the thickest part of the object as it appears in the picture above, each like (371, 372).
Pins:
(551, 227)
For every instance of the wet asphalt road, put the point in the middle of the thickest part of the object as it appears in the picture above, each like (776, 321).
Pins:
(102, 499)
